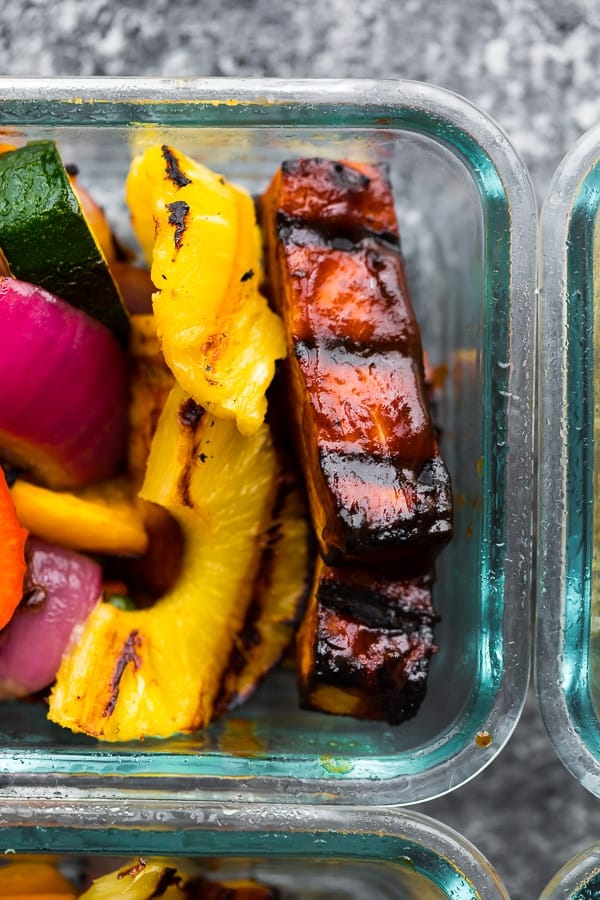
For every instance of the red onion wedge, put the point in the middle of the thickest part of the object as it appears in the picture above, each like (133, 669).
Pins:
(61, 589)
(63, 389)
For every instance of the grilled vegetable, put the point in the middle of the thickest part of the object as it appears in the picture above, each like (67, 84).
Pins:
(68, 427)
(59, 591)
(46, 239)
(34, 881)
(141, 880)
(150, 385)
(102, 518)
(280, 592)
(365, 644)
(12, 555)
(217, 333)
(154, 573)
(157, 671)
(378, 487)
(146, 879)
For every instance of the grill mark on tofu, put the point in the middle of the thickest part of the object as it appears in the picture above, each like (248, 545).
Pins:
(316, 233)
(366, 644)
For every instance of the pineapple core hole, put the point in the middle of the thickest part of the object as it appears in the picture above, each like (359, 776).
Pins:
(150, 576)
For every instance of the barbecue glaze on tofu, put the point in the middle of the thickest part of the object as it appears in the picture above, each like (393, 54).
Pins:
(378, 487)
(365, 644)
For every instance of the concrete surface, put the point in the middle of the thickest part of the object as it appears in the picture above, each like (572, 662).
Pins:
(532, 65)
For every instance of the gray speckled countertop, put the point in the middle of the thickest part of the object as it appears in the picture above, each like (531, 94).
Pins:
(532, 65)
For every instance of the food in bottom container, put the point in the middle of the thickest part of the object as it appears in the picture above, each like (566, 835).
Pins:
(140, 879)
(203, 463)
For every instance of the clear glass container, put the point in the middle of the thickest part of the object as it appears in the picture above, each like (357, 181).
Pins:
(578, 879)
(468, 224)
(568, 610)
(308, 853)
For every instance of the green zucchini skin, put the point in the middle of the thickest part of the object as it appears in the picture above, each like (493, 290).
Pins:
(45, 237)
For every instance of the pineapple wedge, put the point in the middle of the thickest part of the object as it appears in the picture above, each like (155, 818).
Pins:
(140, 880)
(284, 583)
(217, 333)
(157, 671)
(150, 384)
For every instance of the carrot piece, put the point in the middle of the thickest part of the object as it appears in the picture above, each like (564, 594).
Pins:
(12, 555)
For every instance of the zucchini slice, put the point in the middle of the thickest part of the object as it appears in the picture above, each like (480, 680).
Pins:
(46, 239)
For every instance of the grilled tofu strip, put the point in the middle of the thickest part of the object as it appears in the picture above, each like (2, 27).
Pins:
(365, 644)
(378, 487)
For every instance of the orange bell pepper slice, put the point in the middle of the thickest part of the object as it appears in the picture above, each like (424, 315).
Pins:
(34, 881)
(12, 554)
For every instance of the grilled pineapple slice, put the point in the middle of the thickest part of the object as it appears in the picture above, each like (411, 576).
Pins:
(283, 585)
(149, 386)
(157, 671)
(217, 333)
(144, 880)
(140, 880)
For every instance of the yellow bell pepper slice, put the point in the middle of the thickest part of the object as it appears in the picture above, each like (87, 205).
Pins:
(102, 518)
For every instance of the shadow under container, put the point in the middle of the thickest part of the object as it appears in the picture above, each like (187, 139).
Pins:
(568, 591)
(309, 853)
(467, 220)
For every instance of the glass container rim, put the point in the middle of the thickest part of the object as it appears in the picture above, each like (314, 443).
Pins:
(564, 716)
(574, 875)
(321, 830)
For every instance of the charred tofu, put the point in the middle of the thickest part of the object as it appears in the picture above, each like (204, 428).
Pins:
(378, 487)
(365, 644)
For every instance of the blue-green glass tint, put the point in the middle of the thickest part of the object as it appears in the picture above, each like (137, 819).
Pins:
(568, 654)
(467, 222)
(580, 660)
(589, 891)
(568, 596)
(313, 853)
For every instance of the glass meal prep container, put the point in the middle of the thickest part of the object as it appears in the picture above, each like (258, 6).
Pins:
(568, 614)
(467, 219)
(578, 879)
(308, 852)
